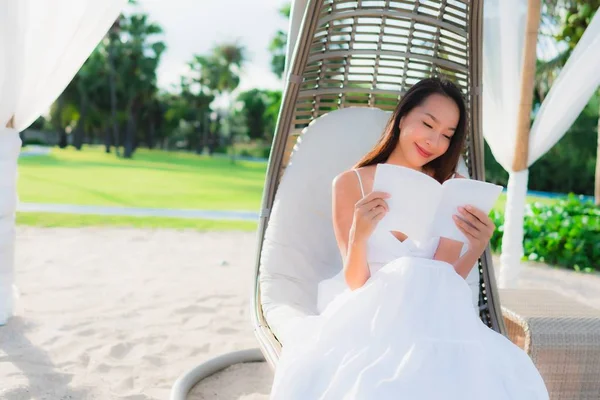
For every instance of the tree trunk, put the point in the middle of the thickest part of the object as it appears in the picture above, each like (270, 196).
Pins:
(80, 128)
(200, 135)
(597, 186)
(213, 140)
(231, 140)
(112, 83)
(150, 134)
(108, 139)
(129, 135)
(62, 135)
(206, 130)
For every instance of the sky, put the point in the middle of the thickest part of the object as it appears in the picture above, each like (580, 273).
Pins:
(195, 26)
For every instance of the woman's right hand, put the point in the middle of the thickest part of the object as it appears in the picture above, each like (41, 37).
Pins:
(368, 211)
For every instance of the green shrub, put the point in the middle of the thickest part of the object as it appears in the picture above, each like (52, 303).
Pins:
(221, 149)
(244, 153)
(565, 233)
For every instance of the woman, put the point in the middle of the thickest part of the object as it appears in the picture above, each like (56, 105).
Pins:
(405, 327)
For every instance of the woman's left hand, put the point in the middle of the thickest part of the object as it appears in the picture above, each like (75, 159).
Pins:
(476, 226)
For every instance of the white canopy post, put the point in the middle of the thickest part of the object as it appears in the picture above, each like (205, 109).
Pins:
(503, 41)
(512, 250)
(296, 16)
(503, 49)
(42, 46)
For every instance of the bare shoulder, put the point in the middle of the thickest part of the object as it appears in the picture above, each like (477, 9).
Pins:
(346, 182)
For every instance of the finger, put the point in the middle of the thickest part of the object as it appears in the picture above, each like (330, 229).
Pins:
(491, 225)
(477, 213)
(469, 218)
(379, 217)
(468, 234)
(376, 212)
(377, 202)
(368, 206)
(377, 209)
(372, 196)
(466, 227)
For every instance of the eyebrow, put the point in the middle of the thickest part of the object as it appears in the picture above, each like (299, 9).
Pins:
(436, 120)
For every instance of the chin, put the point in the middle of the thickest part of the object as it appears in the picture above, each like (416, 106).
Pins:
(419, 162)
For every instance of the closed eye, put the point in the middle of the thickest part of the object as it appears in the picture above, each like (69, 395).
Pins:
(427, 125)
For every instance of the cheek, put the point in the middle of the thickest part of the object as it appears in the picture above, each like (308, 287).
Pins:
(406, 138)
(412, 133)
(444, 146)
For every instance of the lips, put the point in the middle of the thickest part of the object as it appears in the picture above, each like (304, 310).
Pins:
(422, 152)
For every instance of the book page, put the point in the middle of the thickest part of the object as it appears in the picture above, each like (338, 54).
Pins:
(414, 199)
(461, 192)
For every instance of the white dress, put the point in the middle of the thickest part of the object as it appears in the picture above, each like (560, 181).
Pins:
(409, 333)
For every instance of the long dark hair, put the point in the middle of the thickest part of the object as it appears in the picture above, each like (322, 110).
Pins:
(443, 166)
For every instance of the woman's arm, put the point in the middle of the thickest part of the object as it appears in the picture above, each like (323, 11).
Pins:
(353, 250)
(354, 219)
(449, 250)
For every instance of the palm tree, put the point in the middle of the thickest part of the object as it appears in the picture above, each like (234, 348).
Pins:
(89, 81)
(218, 74)
(112, 42)
(229, 60)
(139, 61)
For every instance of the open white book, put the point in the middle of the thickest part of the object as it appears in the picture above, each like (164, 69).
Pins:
(421, 207)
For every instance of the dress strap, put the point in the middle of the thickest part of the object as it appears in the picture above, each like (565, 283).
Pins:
(362, 190)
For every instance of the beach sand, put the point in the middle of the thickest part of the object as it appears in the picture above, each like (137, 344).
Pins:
(108, 313)
(121, 313)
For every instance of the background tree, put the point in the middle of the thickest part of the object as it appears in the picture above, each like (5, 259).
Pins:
(219, 73)
(139, 60)
(260, 109)
(279, 43)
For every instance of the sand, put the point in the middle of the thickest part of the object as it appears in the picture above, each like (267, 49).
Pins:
(121, 313)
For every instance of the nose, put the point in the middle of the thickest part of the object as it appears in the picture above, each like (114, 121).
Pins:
(432, 140)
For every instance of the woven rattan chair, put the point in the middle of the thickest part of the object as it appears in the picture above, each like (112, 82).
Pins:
(349, 54)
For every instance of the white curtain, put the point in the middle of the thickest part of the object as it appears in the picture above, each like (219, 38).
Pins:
(504, 27)
(42, 46)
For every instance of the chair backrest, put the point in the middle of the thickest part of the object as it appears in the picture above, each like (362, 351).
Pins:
(354, 53)
(299, 248)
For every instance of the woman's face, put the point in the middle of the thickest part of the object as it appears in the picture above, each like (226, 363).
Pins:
(426, 131)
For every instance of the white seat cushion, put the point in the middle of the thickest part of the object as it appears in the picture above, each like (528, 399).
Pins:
(299, 248)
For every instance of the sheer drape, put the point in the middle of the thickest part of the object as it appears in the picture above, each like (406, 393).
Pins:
(42, 46)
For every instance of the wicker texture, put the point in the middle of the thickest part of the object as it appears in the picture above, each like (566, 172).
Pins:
(562, 337)
(368, 53)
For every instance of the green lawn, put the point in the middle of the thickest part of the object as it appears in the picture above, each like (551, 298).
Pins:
(151, 179)
(76, 220)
